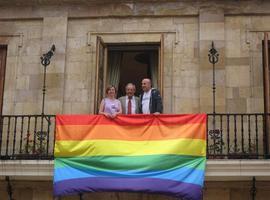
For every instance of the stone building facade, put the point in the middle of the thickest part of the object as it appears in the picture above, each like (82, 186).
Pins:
(183, 31)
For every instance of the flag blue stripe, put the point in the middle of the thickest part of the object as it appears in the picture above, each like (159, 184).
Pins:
(183, 174)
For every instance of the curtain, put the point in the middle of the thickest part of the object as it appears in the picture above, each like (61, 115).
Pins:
(114, 64)
(153, 65)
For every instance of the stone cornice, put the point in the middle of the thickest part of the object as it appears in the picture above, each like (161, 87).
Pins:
(217, 170)
(33, 9)
(237, 169)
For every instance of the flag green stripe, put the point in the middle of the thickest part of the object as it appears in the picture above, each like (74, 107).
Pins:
(144, 163)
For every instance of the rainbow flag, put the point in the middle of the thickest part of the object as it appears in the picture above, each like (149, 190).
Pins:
(163, 154)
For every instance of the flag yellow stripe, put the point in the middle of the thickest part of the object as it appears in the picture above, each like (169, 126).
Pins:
(189, 147)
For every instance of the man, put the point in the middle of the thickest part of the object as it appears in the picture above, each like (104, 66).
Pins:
(151, 102)
(130, 103)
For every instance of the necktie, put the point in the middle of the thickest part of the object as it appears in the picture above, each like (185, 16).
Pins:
(129, 105)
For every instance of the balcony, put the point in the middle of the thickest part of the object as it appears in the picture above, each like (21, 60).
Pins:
(230, 136)
(236, 147)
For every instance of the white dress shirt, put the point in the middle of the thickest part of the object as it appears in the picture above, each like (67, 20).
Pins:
(133, 105)
(145, 102)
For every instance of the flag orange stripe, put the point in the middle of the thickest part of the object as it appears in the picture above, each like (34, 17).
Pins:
(131, 133)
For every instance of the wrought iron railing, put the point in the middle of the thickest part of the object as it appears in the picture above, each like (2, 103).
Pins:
(237, 136)
(230, 136)
(27, 136)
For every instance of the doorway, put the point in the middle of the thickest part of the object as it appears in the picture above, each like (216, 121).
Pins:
(135, 62)
(132, 70)
(121, 63)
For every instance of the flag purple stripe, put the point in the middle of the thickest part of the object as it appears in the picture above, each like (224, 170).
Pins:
(187, 191)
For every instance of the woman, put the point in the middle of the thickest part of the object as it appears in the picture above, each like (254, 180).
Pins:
(110, 106)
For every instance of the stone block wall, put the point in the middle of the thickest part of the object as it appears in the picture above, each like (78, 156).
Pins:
(187, 71)
(244, 69)
(188, 74)
(21, 92)
(180, 47)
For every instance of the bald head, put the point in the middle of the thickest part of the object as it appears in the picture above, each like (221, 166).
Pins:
(146, 84)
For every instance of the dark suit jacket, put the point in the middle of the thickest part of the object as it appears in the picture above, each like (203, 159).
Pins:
(155, 104)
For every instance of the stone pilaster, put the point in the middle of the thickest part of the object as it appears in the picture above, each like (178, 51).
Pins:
(55, 32)
(211, 28)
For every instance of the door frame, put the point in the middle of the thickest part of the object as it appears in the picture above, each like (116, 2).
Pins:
(100, 92)
(2, 75)
(266, 88)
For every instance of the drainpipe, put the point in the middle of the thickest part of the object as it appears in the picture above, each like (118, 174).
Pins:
(9, 189)
(81, 196)
(253, 189)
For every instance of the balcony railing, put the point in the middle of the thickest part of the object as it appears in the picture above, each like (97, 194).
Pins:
(237, 136)
(27, 136)
(230, 136)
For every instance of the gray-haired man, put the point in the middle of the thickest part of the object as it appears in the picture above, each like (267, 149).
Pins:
(130, 103)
